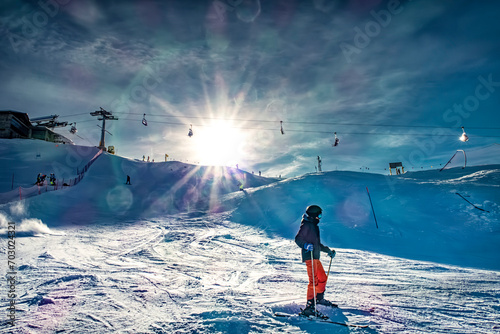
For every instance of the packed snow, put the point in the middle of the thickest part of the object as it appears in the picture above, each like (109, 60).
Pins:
(184, 250)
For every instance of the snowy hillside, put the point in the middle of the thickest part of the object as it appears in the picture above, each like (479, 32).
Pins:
(419, 214)
(156, 188)
(182, 250)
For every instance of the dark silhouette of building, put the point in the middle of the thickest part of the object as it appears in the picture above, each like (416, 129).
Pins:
(15, 124)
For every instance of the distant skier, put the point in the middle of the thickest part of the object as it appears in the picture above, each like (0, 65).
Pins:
(52, 179)
(128, 179)
(308, 239)
(40, 179)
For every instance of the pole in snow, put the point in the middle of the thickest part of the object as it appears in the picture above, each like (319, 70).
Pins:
(471, 203)
(465, 160)
(375, 217)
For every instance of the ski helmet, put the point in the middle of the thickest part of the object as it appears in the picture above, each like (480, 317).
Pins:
(313, 211)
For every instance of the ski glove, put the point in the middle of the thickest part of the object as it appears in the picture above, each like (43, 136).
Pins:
(331, 253)
(309, 247)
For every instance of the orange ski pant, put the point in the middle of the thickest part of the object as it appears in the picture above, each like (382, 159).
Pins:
(320, 278)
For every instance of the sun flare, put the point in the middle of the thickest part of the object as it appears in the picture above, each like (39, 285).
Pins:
(219, 144)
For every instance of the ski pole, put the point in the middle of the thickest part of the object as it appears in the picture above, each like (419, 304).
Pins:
(329, 267)
(471, 203)
(314, 284)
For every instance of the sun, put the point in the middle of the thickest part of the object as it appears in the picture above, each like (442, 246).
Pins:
(219, 144)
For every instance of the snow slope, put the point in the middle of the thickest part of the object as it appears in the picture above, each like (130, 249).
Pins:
(419, 214)
(181, 250)
(23, 159)
(156, 188)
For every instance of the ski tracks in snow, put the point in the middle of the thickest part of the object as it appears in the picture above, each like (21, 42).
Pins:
(205, 274)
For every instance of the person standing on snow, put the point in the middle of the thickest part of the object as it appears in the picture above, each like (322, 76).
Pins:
(52, 179)
(308, 239)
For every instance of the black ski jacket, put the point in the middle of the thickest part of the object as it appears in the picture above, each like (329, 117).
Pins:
(309, 234)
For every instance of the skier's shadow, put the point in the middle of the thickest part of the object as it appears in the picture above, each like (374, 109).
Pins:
(336, 315)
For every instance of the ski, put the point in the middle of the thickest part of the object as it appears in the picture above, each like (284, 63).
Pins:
(288, 315)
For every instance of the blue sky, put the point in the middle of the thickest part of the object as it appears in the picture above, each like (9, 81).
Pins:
(395, 79)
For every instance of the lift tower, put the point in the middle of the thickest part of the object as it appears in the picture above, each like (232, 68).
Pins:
(105, 115)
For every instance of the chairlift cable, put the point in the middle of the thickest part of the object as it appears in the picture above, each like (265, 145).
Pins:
(314, 131)
(313, 123)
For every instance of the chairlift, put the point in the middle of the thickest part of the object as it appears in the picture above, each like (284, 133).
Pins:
(144, 121)
(190, 132)
(464, 136)
(73, 129)
(337, 140)
(282, 131)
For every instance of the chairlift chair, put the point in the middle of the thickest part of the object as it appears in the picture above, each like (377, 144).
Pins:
(73, 129)
(337, 140)
(464, 136)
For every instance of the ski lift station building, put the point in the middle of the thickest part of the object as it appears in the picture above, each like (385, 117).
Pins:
(15, 124)
(398, 166)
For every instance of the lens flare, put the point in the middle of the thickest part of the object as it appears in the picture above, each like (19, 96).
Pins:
(219, 144)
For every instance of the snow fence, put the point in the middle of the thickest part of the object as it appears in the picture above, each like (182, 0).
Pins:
(22, 192)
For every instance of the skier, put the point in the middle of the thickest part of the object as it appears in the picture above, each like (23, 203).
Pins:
(52, 179)
(308, 239)
(40, 179)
